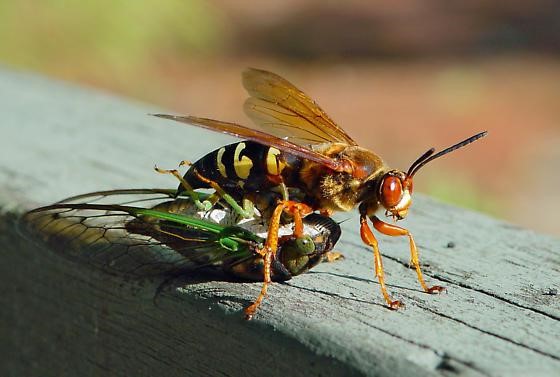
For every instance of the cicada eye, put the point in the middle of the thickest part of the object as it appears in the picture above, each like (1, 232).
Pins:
(391, 191)
(305, 245)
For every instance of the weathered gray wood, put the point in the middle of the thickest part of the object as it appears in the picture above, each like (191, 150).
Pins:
(500, 316)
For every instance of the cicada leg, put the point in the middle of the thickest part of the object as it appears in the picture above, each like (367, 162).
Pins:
(370, 240)
(247, 211)
(202, 205)
(332, 256)
(394, 230)
(268, 252)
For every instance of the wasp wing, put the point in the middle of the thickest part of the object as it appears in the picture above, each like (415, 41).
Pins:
(258, 136)
(283, 110)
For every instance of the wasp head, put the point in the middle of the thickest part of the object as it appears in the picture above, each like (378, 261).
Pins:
(394, 189)
(391, 191)
(395, 194)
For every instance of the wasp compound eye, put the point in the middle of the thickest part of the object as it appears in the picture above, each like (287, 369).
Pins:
(391, 191)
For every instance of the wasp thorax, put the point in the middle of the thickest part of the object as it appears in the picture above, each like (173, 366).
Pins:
(338, 191)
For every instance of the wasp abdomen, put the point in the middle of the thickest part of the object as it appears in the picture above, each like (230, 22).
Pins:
(241, 166)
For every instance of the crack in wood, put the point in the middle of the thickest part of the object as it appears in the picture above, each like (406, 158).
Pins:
(467, 364)
(552, 356)
(444, 358)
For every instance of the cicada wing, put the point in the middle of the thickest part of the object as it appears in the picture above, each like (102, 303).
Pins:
(100, 238)
(139, 197)
(122, 239)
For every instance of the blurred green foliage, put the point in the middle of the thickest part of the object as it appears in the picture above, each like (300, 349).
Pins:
(53, 34)
(455, 187)
(152, 51)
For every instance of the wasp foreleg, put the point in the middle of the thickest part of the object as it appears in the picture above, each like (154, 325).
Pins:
(394, 230)
(370, 240)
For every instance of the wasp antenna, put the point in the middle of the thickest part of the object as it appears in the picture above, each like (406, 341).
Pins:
(425, 158)
(419, 160)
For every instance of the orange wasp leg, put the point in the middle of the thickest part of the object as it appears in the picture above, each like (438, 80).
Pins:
(370, 240)
(268, 252)
(394, 230)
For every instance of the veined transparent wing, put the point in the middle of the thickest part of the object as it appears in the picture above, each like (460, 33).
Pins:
(283, 110)
(127, 238)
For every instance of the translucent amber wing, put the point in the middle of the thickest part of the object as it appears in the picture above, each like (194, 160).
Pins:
(286, 112)
(258, 136)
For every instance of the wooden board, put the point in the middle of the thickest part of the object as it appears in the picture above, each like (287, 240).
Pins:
(499, 317)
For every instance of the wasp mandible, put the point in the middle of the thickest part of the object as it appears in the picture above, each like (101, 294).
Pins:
(315, 166)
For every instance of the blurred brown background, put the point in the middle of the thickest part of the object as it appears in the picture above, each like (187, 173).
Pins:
(400, 78)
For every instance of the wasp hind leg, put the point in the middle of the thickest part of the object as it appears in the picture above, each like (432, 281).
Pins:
(268, 252)
(394, 230)
(205, 205)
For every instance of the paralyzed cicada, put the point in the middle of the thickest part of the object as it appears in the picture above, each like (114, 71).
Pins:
(150, 232)
(314, 165)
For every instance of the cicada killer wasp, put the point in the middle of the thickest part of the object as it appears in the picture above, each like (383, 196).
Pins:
(302, 150)
(151, 233)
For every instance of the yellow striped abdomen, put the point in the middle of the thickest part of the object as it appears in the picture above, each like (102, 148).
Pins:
(241, 166)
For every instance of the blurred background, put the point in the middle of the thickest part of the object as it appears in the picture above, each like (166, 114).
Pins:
(399, 78)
